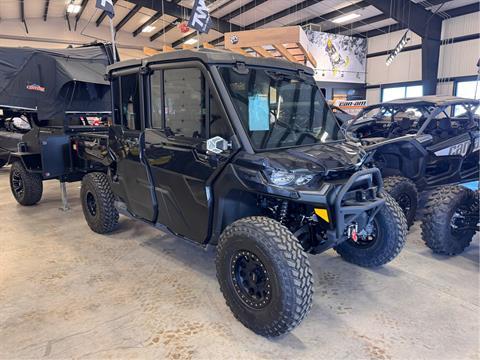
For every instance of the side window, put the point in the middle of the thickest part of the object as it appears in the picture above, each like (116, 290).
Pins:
(156, 88)
(130, 101)
(185, 110)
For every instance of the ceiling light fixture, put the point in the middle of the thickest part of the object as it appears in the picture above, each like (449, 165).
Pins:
(345, 18)
(191, 41)
(401, 44)
(73, 8)
(148, 29)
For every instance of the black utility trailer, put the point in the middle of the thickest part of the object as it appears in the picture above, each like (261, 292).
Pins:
(244, 154)
(51, 89)
(58, 93)
(421, 143)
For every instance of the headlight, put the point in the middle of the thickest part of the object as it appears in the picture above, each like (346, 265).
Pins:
(281, 178)
(303, 179)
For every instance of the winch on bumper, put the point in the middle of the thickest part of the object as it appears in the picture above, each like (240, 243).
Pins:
(338, 206)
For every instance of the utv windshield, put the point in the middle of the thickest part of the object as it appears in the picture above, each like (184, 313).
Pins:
(279, 109)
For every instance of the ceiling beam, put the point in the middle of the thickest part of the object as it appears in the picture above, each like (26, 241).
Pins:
(149, 22)
(422, 22)
(336, 13)
(464, 10)
(182, 12)
(127, 17)
(283, 13)
(383, 30)
(80, 13)
(45, 10)
(103, 14)
(357, 24)
(183, 39)
(242, 9)
(167, 28)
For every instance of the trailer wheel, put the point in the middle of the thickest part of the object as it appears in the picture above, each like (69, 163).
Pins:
(450, 220)
(264, 275)
(98, 203)
(382, 242)
(405, 193)
(27, 187)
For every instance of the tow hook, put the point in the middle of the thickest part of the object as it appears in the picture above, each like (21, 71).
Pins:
(352, 232)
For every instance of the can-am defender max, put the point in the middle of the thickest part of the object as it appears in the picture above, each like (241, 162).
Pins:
(245, 154)
(420, 144)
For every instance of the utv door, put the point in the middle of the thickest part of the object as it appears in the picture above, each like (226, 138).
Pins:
(126, 139)
(185, 112)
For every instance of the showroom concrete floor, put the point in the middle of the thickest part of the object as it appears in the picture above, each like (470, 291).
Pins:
(66, 292)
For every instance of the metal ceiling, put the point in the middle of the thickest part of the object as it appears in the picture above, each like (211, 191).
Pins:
(163, 17)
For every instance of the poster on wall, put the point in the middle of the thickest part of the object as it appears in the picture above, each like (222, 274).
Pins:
(340, 58)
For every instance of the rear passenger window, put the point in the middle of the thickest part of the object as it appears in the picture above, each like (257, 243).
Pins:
(185, 110)
(130, 101)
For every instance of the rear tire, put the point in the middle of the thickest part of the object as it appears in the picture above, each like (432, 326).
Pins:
(264, 275)
(98, 203)
(2, 163)
(405, 193)
(391, 234)
(438, 232)
(26, 187)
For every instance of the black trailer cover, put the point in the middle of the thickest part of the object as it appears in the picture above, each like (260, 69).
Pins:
(54, 81)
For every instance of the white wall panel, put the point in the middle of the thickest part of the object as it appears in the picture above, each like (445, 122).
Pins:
(373, 96)
(445, 88)
(407, 66)
(459, 59)
(461, 25)
(389, 41)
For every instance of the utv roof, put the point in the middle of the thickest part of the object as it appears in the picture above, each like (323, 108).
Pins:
(432, 100)
(210, 56)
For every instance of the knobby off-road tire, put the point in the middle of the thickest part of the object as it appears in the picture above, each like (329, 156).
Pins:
(98, 203)
(405, 193)
(26, 187)
(281, 283)
(437, 231)
(391, 228)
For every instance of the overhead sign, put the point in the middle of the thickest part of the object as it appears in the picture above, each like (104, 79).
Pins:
(200, 19)
(340, 58)
(107, 6)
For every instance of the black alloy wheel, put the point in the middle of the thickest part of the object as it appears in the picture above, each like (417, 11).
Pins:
(17, 183)
(250, 279)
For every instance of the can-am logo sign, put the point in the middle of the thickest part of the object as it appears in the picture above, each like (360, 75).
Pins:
(35, 87)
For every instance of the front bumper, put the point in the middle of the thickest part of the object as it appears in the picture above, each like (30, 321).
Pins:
(356, 200)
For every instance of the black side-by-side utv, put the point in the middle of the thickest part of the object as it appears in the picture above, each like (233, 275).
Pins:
(241, 153)
(420, 144)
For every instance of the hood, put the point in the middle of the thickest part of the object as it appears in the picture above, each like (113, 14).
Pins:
(321, 158)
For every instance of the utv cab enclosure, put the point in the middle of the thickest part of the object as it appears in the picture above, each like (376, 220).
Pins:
(421, 143)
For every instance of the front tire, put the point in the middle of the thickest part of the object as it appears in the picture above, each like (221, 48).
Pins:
(447, 207)
(405, 193)
(98, 203)
(264, 275)
(390, 229)
(26, 187)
